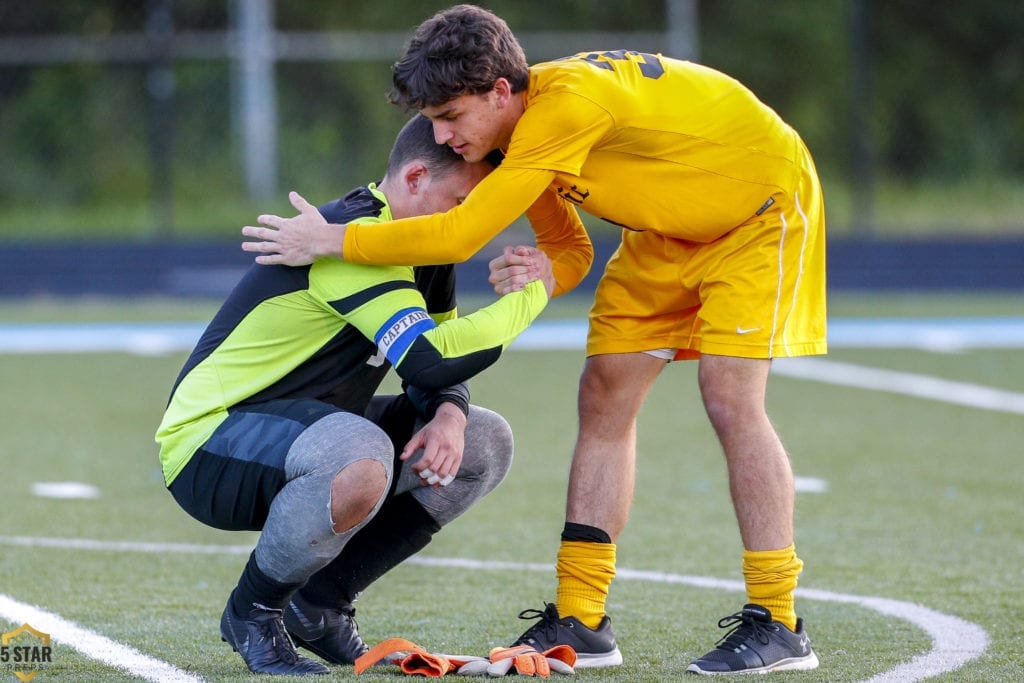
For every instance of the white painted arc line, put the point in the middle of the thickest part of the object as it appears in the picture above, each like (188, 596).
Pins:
(954, 641)
(905, 383)
(91, 644)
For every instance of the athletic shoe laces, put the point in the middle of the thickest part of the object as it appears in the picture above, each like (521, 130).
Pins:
(548, 624)
(282, 645)
(745, 626)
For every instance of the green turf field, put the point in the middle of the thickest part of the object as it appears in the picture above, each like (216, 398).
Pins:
(914, 550)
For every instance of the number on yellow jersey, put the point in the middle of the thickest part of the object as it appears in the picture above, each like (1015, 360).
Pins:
(650, 65)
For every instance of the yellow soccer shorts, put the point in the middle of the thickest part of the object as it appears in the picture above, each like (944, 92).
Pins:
(756, 292)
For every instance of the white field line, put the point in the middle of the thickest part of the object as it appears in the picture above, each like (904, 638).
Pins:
(906, 383)
(92, 644)
(929, 335)
(124, 546)
(144, 339)
(954, 641)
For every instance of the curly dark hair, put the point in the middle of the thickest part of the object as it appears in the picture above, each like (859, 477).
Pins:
(462, 50)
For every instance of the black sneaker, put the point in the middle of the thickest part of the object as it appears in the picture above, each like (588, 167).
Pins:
(326, 632)
(263, 643)
(594, 647)
(757, 645)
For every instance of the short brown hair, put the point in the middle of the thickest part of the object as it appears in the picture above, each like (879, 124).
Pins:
(416, 141)
(462, 50)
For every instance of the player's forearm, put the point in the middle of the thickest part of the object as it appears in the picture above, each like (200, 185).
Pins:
(497, 324)
(453, 236)
(569, 270)
(453, 399)
(458, 349)
(452, 410)
(414, 241)
(562, 236)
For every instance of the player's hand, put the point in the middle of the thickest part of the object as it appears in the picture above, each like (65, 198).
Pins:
(517, 267)
(295, 241)
(442, 441)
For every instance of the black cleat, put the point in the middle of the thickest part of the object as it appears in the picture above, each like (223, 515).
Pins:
(261, 639)
(594, 648)
(327, 632)
(757, 645)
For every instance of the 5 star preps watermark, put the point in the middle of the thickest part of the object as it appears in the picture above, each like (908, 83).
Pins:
(24, 650)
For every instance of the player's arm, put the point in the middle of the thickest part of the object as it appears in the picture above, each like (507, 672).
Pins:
(437, 286)
(555, 134)
(427, 403)
(453, 236)
(450, 237)
(559, 231)
(457, 349)
(562, 236)
(433, 356)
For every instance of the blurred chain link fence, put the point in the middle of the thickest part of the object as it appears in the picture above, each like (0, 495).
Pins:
(156, 119)
(170, 119)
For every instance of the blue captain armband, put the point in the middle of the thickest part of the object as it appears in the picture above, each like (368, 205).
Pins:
(396, 335)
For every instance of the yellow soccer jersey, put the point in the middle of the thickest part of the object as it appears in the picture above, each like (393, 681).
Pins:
(652, 143)
(644, 141)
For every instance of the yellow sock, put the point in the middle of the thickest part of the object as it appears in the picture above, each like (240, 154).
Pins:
(585, 571)
(771, 579)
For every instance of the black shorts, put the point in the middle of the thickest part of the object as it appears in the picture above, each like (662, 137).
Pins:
(230, 482)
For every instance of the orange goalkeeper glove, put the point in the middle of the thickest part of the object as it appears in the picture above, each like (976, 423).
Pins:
(413, 659)
(528, 662)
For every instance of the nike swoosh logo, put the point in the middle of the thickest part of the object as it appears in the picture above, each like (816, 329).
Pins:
(746, 330)
(315, 630)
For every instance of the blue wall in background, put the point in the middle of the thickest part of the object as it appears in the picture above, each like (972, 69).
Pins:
(210, 270)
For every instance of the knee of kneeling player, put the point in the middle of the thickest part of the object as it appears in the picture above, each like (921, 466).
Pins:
(489, 447)
(356, 492)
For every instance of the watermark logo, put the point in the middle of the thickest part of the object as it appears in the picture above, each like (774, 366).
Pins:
(24, 649)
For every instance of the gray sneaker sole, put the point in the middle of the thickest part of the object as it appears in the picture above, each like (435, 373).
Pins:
(599, 661)
(791, 664)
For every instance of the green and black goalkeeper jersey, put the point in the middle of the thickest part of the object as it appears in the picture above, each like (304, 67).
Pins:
(330, 331)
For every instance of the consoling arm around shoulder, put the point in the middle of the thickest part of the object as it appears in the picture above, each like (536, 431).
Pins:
(453, 236)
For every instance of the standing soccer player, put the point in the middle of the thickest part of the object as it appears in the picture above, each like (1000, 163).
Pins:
(722, 259)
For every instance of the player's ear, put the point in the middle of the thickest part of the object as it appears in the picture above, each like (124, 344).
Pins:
(502, 90)
(415, 175)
